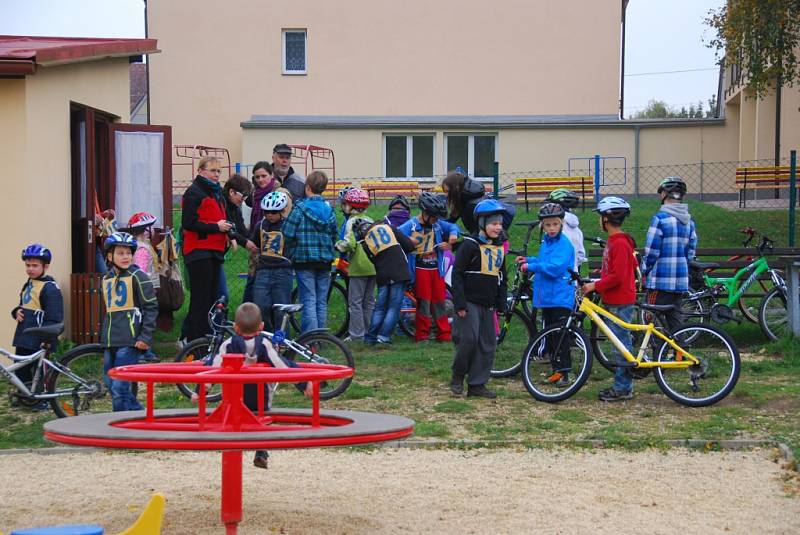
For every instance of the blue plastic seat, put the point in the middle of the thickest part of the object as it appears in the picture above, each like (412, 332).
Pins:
(75, 529)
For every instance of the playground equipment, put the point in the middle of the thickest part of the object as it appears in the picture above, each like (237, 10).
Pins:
(231, 427)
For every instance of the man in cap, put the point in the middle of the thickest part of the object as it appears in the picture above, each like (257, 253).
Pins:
(282, 167)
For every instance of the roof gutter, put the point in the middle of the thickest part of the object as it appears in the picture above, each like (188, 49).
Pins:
(17, 67)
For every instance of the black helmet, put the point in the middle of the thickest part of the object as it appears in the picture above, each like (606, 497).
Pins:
(564, 197)
(432, 204)
(551, 209)
(360, 227)
(674, 186)
(401, 200)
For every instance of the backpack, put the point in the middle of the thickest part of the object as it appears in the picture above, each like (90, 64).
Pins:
(170, 295)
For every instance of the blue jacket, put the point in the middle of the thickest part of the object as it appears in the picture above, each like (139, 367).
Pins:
(671, 244)
(310, 231)
(442, 230)
(552, 284)
(42, 304)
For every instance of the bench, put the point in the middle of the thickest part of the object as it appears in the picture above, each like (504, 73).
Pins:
(537, 189)
(333, 189)
(756, 178)
(386, 190)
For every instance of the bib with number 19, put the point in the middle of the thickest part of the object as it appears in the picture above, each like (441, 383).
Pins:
(491, 259)
(118, 294)
(379, 238)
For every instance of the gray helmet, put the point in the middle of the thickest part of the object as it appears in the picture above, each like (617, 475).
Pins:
(551, 209)
(432, 204)
(674, 186)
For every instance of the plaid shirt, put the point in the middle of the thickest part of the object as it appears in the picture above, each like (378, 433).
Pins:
(310, 231)
(670, 246)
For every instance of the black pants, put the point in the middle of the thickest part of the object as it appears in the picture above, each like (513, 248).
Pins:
(25, 374)
(660, 297)
(203, 286)
(560, 358)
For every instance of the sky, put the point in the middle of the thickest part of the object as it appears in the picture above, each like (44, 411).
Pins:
(661, 36)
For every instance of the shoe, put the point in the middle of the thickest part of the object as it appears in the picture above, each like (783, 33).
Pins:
(384, 342)
(42, 406)
(480, 391)
(609, 394)
(261, 459)
(552, 379)
(348, 339)
(181, 343)
(151, 357)
(457, 384)
(563, 381)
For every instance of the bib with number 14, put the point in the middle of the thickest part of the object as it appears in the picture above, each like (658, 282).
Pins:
(491, 259)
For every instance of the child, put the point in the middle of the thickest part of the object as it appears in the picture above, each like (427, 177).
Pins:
(432, 235)
(399, 211)
(617, 286)
(310, 232)
(40, 304)
(273, 276)
(479, 290)
(256, 348)
(568, 200)
(387, 248)
(140, 227)
(263, 183)
(553, 292)
(361, 286)
(130, 318)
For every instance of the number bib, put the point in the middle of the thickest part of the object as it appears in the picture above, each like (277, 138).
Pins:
(491, 259)
(272, 243)
(379, 238)
(118, 297)
(30, 295)
(426, 245)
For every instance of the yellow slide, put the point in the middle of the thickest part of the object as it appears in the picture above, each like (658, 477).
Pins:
(149, 522)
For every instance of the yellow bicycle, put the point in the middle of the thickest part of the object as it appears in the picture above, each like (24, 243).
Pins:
(697, 365)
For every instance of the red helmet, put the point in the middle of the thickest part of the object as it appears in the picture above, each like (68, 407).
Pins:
(357, 198)
(141, 220)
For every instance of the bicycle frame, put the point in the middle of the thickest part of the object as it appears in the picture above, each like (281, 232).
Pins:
(594, 312)
(732, 284)
(43, 362)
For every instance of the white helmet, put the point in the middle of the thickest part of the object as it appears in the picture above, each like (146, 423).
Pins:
(274, 201)
(614, 208)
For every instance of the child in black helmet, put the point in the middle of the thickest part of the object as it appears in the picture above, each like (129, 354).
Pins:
(399, 211)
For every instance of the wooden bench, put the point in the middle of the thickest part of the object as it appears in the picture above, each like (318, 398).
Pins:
(537, 189)
(756, 178)
(386, 190)
(333, 189)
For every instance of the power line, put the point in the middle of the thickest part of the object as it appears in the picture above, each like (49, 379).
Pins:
(672, 72)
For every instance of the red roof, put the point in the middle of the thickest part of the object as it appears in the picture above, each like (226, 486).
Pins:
(21, 54)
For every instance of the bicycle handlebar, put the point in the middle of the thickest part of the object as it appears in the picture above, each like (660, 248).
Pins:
(527, 223)
(599, 241)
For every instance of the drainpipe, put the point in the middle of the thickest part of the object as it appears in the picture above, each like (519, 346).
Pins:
(147, 64)
(622, 66)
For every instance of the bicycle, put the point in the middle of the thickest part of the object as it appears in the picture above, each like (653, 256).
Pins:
(408, 311)
(696, 378)
(73, 384)
(338, 309)
(318, 346)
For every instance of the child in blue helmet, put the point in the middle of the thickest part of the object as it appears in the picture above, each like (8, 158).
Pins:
(40, 304)
(479, 291)
(130, 316)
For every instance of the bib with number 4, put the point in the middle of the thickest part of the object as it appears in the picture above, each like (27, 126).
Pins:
(118, 294)
(272, 243)
(379, 238)
(426, 245)
(491, 259)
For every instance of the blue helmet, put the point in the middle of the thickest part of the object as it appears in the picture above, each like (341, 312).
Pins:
(120, 238)
(488, 207)
(37, 250)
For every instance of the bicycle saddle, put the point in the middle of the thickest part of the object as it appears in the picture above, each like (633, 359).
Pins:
(288, 309)
(694, 264)
(657, 308)
(48, 331)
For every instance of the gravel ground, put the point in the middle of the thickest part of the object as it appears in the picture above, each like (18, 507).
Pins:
(547, 491)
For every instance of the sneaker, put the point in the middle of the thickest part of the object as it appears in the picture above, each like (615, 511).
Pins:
(563, 381)
(384, 342)
(181, 343)
(553, 378)
(261, 459)
(457, 384)
(480, 391)
(609, 394)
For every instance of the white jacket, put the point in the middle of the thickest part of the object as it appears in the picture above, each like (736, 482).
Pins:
(573, 232)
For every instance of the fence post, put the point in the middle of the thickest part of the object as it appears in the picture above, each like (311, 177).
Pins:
(702, 169)
(496, 180)
(238, 168)
(596, 177)
(636, 162)
(792, 196)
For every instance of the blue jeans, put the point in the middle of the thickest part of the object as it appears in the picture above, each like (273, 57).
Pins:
(222, 287)
(270, 287)
(623, 380)
(247, 296)
(121, 396)
(100, 261)
(386, 313)
(312, 290)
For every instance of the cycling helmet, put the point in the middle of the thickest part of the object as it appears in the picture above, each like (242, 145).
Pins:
(120, 238)
(674, 186)
(274, 201)
(433, 204)
(343, 192)
(614, 209)
(141, 220)
(551, 209)
(357, 198)
(39, 251)
(564, 197)
(488, 207)
(360, 227)
(401, 200)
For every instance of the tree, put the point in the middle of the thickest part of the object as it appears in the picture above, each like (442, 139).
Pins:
(762, 37)
(658, 109)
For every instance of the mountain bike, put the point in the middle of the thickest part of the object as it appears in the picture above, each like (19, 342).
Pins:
(318, 346)
(695, 373)
(73, 384)
(338, 309)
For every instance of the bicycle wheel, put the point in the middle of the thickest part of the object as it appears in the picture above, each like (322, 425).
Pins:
(537, 365)
(194, 351)
(603, 349)
(773, 315)
(516, 332)
(708, 382)
(85, 392)
(324, 348)
(338, 312)
(408, 312)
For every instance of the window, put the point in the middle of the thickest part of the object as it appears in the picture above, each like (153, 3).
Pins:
(408, 156)
(294, 52)
(475, 154)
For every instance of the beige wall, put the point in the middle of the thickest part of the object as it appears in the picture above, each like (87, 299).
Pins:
(35, 140)
(448, 57)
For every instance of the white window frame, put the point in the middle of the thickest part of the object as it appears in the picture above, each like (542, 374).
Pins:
(471, 151)
(409, 155)
(284, 70)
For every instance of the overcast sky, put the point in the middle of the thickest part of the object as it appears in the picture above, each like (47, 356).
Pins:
(662, 36)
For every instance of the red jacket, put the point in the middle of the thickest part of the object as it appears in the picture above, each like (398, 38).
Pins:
(617, 284)
(201, 212)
